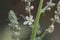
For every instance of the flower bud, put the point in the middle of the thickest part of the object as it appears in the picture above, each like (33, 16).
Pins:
(32, 7)
(50, 29)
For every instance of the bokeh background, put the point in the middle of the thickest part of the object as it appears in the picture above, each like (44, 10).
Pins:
(19, 8)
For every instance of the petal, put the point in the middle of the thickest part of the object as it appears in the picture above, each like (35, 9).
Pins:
(26, 17)
(25, 22)
(32, 20)
(30, 23)
(31, 16)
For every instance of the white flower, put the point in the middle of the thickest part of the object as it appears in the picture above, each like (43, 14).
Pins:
(29, 20)
(50, 29)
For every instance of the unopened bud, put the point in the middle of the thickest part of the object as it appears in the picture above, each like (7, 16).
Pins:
(32, 7)
(50, 29)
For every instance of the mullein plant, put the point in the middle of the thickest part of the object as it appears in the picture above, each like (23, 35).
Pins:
(34, 24)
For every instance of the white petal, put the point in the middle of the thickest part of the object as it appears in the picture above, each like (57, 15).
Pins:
(25, 22)
(32, 20)
(30, 23)
(27, 17)
(31, 16)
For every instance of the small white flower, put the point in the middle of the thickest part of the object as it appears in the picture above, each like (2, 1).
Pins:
(29, 20)
(50, 29)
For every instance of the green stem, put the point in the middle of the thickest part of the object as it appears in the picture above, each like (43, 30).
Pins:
(33, 35)
(41, 37)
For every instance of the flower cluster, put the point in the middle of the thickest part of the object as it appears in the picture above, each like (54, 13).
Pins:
(15, 29)
(48, 6)
(57, 14)
(28, 6)
(29, 20)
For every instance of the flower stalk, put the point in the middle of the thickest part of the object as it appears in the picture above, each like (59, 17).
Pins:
(49, 30)
(33, 35)
(41, 37)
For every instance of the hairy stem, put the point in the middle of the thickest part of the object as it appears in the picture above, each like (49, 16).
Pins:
(33, 35)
